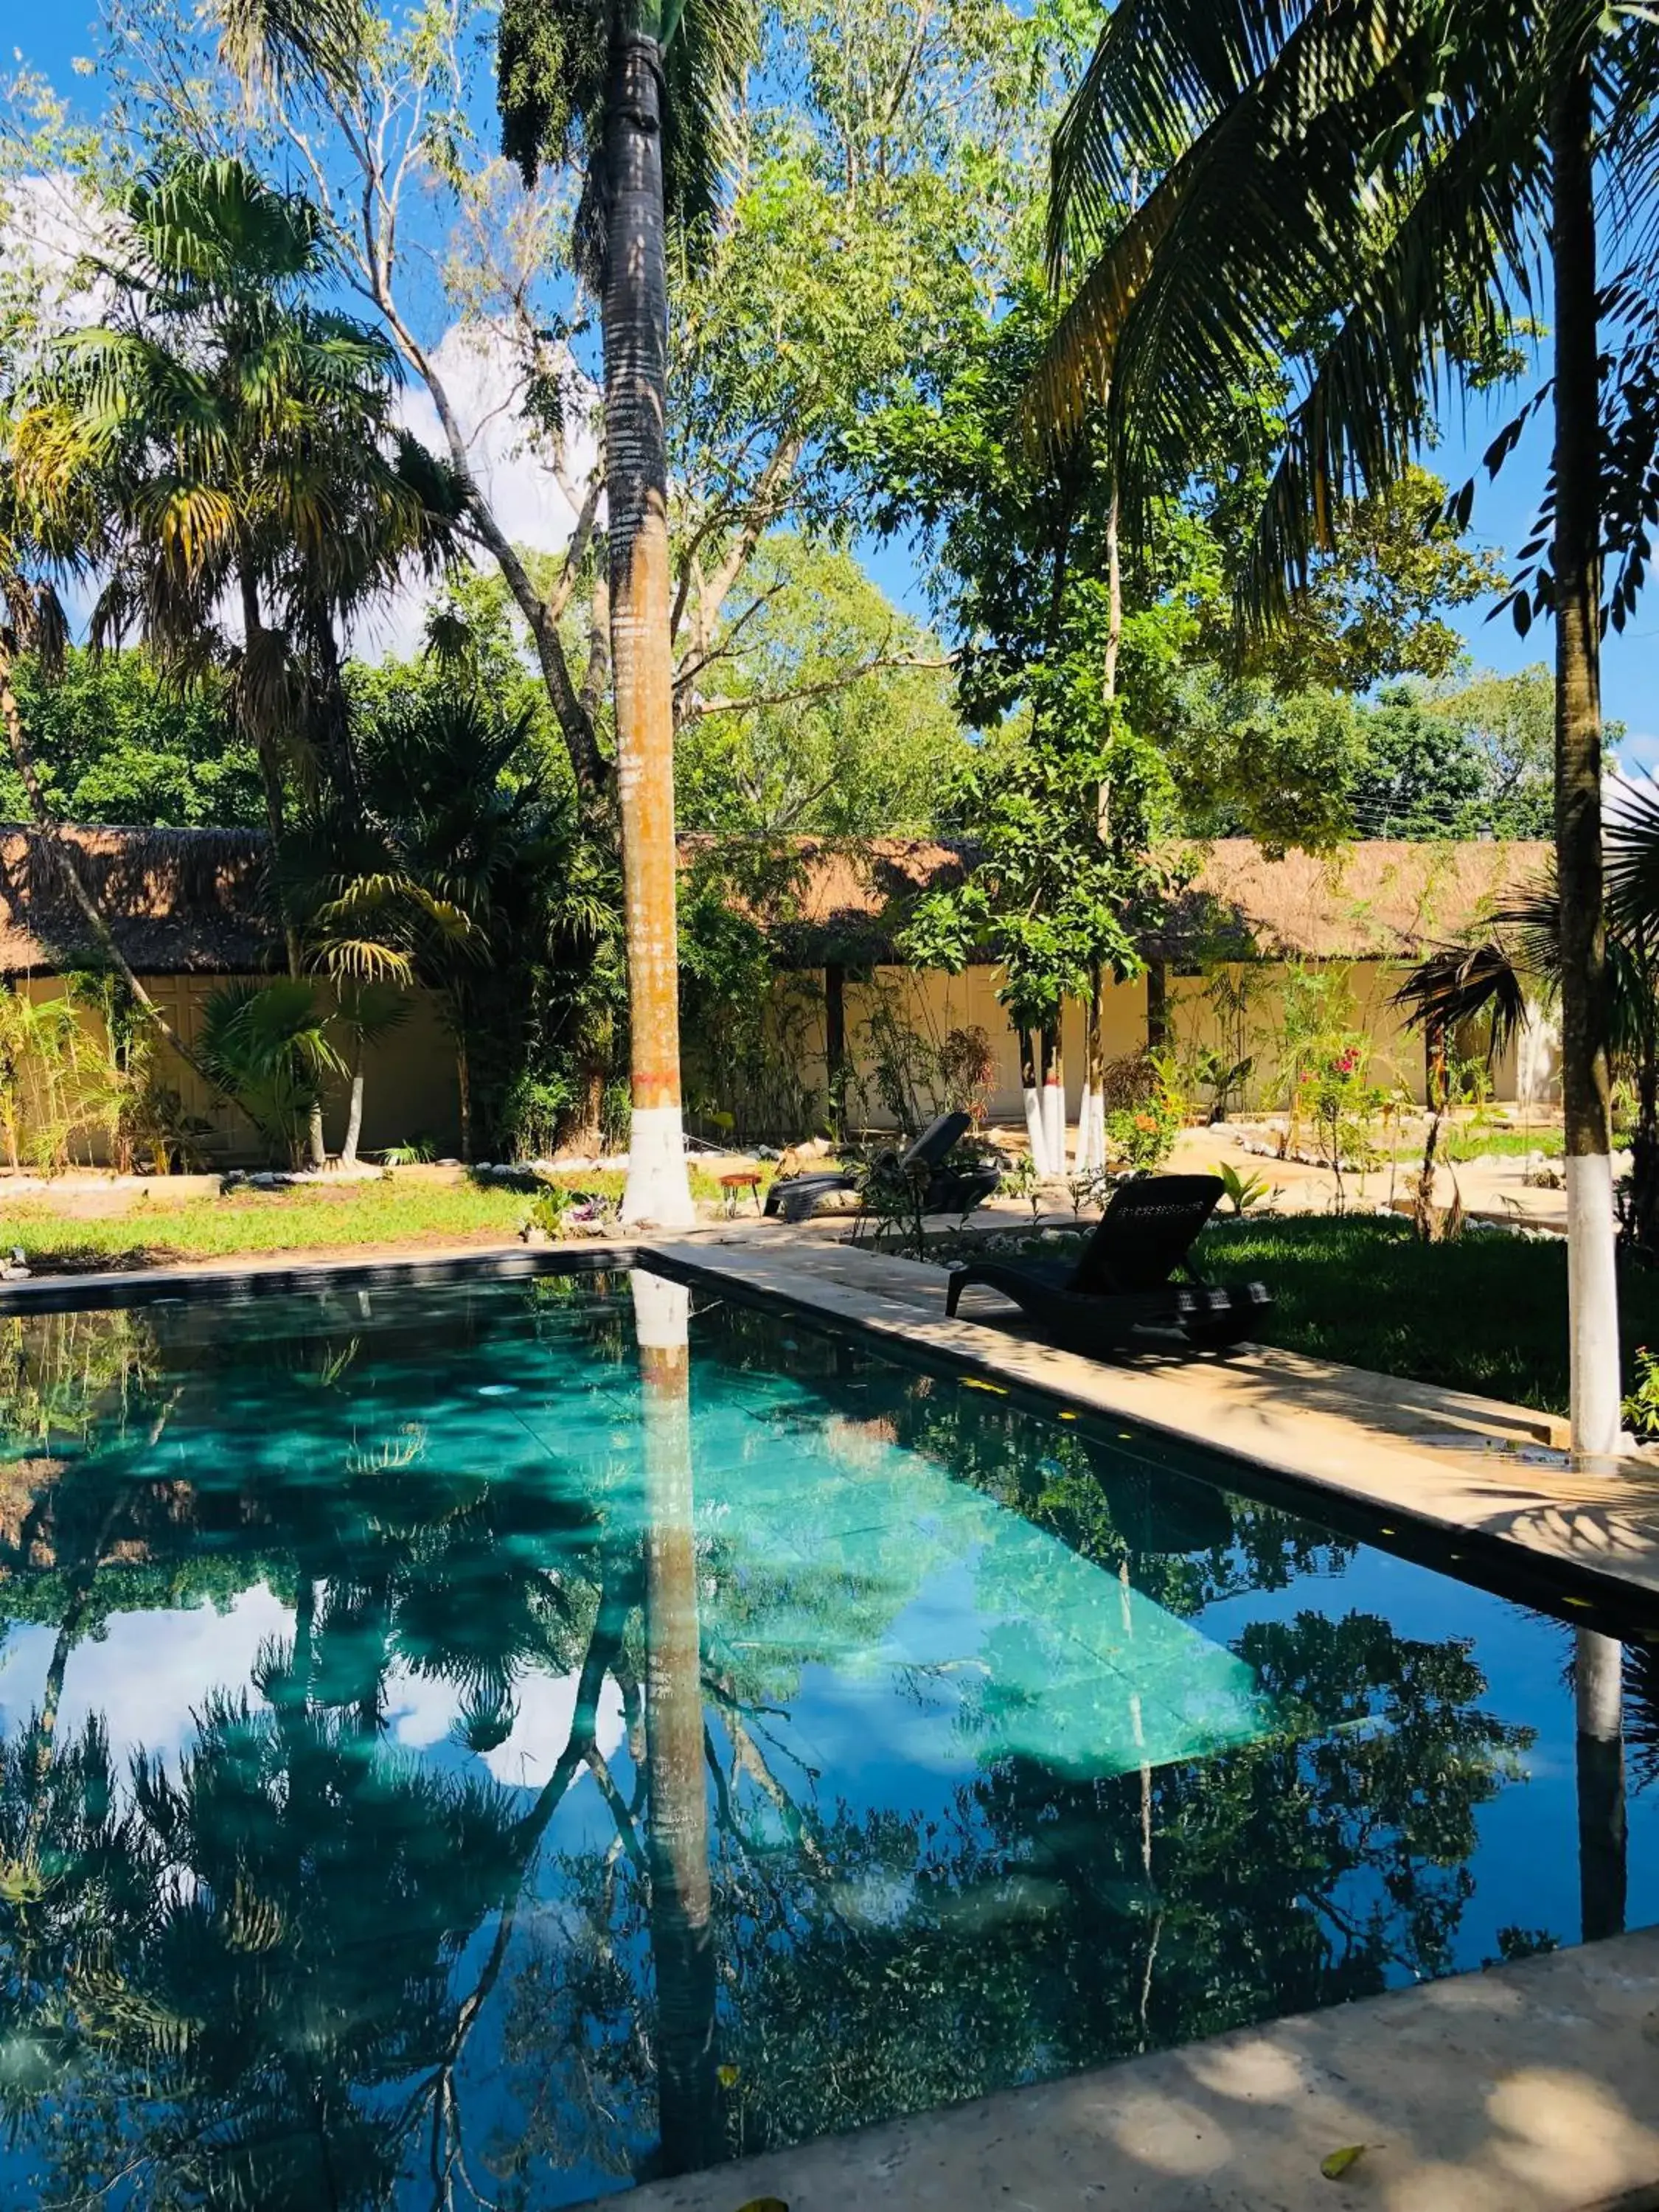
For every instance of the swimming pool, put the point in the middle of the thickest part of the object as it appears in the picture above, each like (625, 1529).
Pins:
(527, 1737)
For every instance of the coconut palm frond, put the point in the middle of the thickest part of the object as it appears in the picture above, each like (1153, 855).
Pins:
(1458, 984)
(274, 40)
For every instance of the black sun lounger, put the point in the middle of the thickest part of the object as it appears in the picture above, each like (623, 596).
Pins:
(949, 1191)
(1121, 1282)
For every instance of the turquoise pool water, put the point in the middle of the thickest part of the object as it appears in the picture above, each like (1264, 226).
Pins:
(506, 1739)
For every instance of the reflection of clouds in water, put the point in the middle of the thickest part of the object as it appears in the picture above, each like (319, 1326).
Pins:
(420, 1710)
(151, 1672)
(148, 1674)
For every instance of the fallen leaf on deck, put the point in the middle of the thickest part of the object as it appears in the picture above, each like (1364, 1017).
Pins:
(727, 2076)
(1337, 2163)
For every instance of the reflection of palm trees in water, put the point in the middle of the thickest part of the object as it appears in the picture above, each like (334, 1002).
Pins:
(1598, 1700)
(682, 1903)
(223, 1936)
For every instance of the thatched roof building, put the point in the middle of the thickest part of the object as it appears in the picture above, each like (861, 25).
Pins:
(194, 901)
(179, 902)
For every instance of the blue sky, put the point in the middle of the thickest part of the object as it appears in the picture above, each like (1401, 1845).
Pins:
(49, 36)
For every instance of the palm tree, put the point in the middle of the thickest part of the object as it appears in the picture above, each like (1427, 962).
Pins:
(639, 93)
(1384, 178)
(226, 440)
(1492, 982)
(239, 442)
(265, 1047)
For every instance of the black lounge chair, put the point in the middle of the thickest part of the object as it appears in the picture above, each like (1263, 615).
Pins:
(950, 1189)
(1121, 1287)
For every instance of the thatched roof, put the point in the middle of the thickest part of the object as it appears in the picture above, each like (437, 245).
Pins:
(1380, 900)
(191, 900)
(1383, 899)
(178, 902)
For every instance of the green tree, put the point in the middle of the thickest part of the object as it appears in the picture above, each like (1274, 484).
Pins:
(1386, 182)
(225, 439)
(116, 742)
(821, 709)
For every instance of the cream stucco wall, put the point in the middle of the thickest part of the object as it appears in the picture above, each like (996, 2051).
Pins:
(1356, 995)
(408, 1086)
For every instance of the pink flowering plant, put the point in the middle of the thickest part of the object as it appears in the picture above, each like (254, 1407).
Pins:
(1338, 1098)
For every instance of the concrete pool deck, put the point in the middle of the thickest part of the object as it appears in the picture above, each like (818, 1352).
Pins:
(1533, 2087)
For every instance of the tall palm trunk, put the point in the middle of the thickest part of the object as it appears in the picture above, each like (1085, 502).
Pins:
(1598, 1699)
(1593, 1295)
(270, 775)
(635, 320)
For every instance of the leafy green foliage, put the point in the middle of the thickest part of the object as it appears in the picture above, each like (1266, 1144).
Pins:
(265, 1046)
(790, 736)
(113, 742)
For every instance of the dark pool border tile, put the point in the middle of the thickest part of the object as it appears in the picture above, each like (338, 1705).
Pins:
(236, 1286)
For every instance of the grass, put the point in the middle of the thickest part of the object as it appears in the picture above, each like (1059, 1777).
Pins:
(1487, 1314)
(1466, 1143)
(393, 1210)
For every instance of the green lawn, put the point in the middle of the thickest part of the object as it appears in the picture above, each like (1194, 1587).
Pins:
(1468, 1144)
(1487, 1314)
(395, 1210)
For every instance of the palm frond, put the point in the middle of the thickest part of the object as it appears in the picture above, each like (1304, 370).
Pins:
(1459, 984)
(275, 40)
(709, 49)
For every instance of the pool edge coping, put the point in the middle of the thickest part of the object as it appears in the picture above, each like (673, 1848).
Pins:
(1464, 2093)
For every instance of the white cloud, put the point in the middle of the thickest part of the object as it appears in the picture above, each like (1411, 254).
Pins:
(422, 1711)
(477, 368)
(148, 1674)
(151, 1672)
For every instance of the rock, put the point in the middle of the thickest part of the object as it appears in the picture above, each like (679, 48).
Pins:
(449, 1163)
(13, 1273)
(539, 1238)
(483, 1167)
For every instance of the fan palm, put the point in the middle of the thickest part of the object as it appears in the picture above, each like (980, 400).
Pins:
(237, 442)
(1388, 178)
(265, 1046)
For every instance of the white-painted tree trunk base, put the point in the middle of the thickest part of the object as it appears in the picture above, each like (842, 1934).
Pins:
(1083, 1152)
(659, 1189)
(662, 1312)
(1592, 1308)
(1054, 1127)
(1037, 1136)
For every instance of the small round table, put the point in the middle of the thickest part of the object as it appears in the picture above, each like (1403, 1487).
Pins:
(735, 1185)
